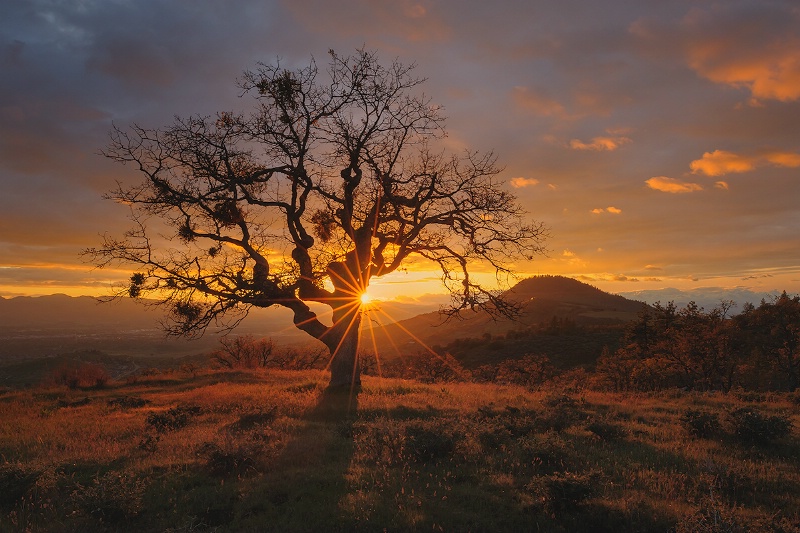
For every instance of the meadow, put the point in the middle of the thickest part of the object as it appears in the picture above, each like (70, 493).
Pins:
(271, 450)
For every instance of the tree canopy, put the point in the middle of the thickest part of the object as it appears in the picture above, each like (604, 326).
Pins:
(330, 179)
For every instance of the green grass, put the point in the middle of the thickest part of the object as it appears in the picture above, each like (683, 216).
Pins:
(270, 451)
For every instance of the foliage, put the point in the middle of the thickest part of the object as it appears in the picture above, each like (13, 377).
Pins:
(172, 419)
(242, 352)
(671, 347)
(701, 424)
(770, 343)
(85, 375)
(752, 426)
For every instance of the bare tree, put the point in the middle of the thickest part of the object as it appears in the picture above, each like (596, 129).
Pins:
(244, 351)
(329, 181)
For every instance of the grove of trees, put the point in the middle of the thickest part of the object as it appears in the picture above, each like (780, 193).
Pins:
(758, 349)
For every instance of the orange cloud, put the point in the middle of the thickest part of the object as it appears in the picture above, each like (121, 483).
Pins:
(599, 143)
(611, 209)
(784, 159)
(747, 55)
(720, 162)
(721, 185)
(540, 104)
(671, 185)
(520, 182)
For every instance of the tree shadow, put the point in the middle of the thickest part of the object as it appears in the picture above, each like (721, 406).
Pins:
(304, 489)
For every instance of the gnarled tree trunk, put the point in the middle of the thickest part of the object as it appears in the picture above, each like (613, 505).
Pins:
(342, 341)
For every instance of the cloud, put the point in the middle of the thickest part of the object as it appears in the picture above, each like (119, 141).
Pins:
(606, 277)
(784, 159)
(533, 100)
(757, 49)
(671, 185)
(721, 185)
(599, 144)
(520, 182)
(721, 162)
(610, 209)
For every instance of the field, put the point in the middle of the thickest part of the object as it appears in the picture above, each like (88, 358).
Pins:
(271, 451)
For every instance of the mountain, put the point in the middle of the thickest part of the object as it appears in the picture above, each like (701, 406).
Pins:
(705, 297)
(48, 326)
(554, 303)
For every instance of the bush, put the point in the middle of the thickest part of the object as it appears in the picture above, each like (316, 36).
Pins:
(87, 375)
(754, 427)
(607, 431)
(700, 423)
(566, 490)
(173, 419)
(426, 445)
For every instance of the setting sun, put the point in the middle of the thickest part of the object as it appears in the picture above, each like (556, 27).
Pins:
(366, 298)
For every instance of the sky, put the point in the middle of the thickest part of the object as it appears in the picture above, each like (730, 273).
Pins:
(659, 141)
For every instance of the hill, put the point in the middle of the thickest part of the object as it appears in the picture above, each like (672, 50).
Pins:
(552, 306)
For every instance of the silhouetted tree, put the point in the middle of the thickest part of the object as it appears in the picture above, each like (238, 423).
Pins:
(327, 182)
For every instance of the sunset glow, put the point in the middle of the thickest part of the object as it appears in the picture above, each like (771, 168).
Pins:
(657, 141)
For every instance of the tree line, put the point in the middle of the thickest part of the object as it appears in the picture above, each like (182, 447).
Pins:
(758, 349)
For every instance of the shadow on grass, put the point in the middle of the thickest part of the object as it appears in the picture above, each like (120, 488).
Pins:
(303, 490)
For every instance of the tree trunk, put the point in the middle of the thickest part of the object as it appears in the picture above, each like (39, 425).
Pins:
(343, 344)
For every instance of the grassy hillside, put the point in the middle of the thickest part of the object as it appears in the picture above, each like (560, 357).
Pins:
(269, 451)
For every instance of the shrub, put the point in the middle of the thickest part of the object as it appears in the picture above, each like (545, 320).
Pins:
(128, 402)
(701, 424)
(14, 483)
(173, 419)
(565, 490)
(221, 463)
(607, 431)
(754, 427)
(425, 445)
(87, 375)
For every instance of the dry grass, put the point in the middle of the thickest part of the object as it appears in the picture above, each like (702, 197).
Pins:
(256, 451)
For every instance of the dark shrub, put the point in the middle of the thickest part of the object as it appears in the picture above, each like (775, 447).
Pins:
(221, 463)
(128, 402)
(607, 431)
(87, 375)
(701, 424)
(14, 483)
(752, 426)
(173, 419)
(567, 489)
(426, 445)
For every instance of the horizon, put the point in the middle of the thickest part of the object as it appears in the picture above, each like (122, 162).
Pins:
(656, 141)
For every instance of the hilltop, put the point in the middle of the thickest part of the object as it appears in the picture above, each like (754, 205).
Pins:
(550, 307)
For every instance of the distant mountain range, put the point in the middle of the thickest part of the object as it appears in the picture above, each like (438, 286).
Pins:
(706, 297)
(46, 326)
(53, 325)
